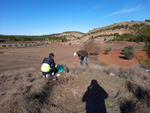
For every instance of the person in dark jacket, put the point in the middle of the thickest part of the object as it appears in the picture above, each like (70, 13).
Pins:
(83, 55)
(49, 66)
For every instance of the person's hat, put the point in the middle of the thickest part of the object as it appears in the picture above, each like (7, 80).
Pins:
(51, 55)
(74, 54)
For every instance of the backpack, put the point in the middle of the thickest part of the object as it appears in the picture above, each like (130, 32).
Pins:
(60, 68)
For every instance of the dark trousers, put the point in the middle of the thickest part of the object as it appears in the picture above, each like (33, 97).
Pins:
(53, 70)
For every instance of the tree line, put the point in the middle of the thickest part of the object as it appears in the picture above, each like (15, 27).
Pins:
(32, 38)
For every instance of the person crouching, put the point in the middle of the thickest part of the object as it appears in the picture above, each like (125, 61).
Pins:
(49, 67)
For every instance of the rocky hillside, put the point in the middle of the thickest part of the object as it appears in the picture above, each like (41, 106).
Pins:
(72, 35)
(121, 28)
(132, 29)
(109, 32)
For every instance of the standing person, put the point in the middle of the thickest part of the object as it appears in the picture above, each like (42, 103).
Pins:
(48, 67)
(83, 55)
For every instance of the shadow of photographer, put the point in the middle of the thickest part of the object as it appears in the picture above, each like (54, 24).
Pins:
(95, 98)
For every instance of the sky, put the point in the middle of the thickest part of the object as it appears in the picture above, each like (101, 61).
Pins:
(43, 17)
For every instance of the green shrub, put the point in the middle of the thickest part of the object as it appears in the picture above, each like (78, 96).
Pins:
(106, 51)
(3, 45)
(9, 46)
(145, 61)
(129, 54)
(110, 49)
(128, 51)
(128, 48)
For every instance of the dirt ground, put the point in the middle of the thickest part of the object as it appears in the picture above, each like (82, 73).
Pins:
(33, 56)
(20, 76)
(116, 58)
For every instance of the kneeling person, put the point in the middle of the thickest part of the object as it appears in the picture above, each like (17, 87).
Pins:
(49, 67)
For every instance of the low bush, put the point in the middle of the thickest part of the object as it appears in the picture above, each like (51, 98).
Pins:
(129, 54)
(106, 51)
(91, 47)
(128, 48)
(9, 46)
(3, 45)
(145, 61)
(128, 51)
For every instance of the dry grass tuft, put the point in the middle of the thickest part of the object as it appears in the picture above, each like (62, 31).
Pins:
(139, 85)
(91, 70)
(29, 102)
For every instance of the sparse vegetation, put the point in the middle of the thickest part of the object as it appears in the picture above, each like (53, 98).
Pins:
(139, 32)
(138, 84)
(145, 61)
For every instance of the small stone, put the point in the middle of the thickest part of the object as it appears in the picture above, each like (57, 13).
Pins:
(111, 74)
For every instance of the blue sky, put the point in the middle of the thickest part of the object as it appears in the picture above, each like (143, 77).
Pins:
(42, 17)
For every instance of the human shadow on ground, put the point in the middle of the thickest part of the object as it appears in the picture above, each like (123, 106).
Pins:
(95, 98)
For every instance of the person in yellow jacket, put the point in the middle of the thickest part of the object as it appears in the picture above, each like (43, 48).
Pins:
(49, 67)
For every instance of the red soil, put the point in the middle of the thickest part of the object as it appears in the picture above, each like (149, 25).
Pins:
(116, 58)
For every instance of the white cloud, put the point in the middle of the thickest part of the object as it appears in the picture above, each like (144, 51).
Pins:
(139, 7)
